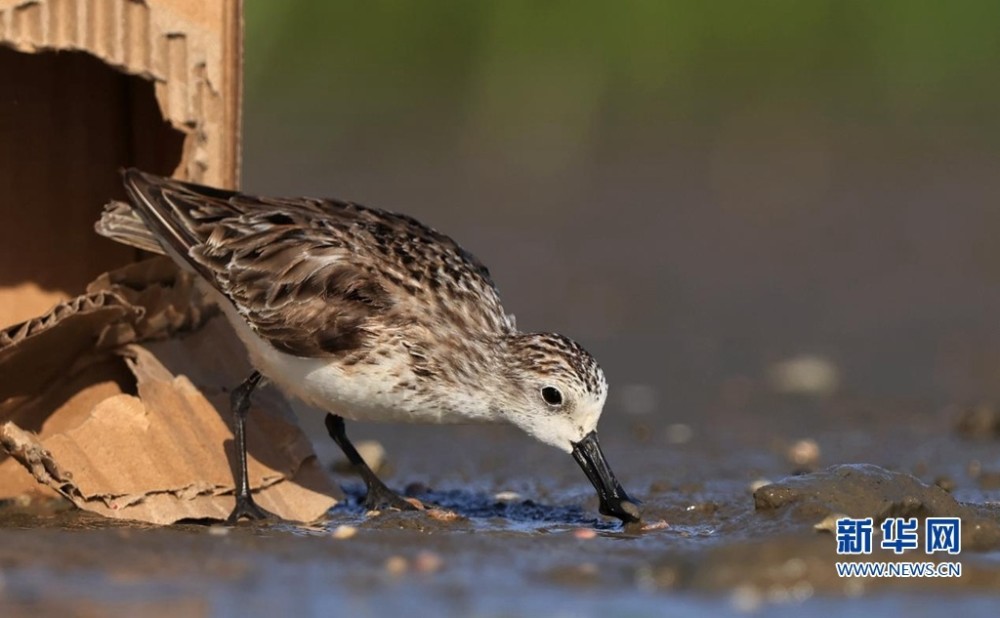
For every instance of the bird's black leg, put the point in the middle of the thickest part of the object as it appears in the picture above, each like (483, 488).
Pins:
(379, 496)
(240, 402)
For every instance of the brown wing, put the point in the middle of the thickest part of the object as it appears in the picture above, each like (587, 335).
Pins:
(312, 276)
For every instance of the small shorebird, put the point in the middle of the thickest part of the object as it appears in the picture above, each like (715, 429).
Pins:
(371, 315)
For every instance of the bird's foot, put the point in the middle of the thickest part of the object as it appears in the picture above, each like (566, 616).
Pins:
(246, 507)
(380, 498)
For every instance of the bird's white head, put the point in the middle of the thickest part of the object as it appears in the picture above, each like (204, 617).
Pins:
(555, 391)
(558, 389)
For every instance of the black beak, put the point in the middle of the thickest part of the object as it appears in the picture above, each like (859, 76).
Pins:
(614, 501)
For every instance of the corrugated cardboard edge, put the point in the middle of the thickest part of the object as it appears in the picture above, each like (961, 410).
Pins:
(163, 454)
(159, 457)
(191, 49)
(101, 299)
(164, 507)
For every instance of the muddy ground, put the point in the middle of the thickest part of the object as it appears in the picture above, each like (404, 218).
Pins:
(528, 540)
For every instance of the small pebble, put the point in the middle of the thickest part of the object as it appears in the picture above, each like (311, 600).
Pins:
(630, 509)
(507, 496)
(793, 568)
(640, 527)
(584, 534)
(746, 599)
(443, 515)
(804, 453)
(982, 421)
(946, 483)
(396, 565)
(416, 503)
(428, 562)
(828, 523)
(344, 532)
(806, 374)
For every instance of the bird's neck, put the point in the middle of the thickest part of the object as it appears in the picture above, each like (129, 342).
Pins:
(481, 380)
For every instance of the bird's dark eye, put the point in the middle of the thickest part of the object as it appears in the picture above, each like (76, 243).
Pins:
(552, 396)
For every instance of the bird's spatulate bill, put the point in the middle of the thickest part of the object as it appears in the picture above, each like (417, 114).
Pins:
(614, 501)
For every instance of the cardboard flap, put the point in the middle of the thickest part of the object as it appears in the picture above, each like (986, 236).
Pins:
(141, 431)
(33, 354)
(142, 301)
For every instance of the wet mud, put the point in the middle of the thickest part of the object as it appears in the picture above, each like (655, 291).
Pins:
(735, 520)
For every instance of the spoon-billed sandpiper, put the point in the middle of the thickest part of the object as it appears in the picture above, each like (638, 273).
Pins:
(369, 315)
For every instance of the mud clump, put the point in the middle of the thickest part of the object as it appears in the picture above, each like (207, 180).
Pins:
(865, 490)
(980, 422)
(856, 490)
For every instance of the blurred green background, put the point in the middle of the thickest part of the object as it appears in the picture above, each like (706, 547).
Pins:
(695, 190)
(565, 75)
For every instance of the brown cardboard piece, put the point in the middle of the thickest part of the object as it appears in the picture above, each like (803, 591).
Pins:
(91, 87)
(126, 391)
(117, 397)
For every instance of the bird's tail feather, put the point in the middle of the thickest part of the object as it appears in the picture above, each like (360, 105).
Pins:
(122, 224)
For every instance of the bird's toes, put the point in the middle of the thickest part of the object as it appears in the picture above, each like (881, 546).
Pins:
(248, 509)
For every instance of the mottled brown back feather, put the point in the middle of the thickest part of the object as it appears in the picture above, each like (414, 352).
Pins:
(312, 275)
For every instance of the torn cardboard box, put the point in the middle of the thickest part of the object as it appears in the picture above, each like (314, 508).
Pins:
(90, 87)
(118, 400)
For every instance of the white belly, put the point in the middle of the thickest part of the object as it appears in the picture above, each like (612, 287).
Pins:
(362, 392)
